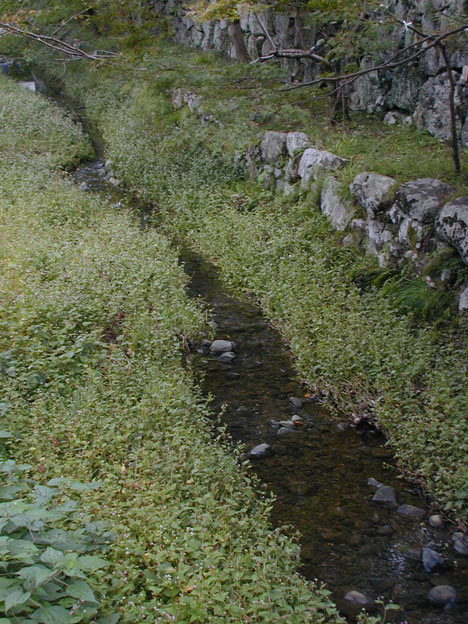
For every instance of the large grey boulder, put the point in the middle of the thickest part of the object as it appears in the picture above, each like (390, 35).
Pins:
(416, 205)
(315, 162)
(452, 225)
(338, 211)
(432, 560)
(385, 495)
(353, 603)
(371, 189)
(411, 512)
(222, 346)
(296, 141)
(367, 93)
(379, 240)
(260, 451)
(273, 146)
(433, 109)
(421, 199)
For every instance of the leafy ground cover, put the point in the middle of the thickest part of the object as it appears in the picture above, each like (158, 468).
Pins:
(97, 408)
(369, 351)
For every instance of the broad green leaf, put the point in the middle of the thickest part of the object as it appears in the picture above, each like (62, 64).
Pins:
(91, 562)
(5, 621)
(60, 540)
(35, 576)
(10, 492)
(24, 550)
(53, 557)
(56, 481)
(6, 591)
(82, 591)
(43, 494)
(67, 507)
(4, 544)
(52, 615)
(107, 619)
(51, 591)
(16, 598)
(4, 434)
(6, 582)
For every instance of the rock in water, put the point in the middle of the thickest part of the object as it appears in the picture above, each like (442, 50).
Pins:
(385, 495)
(432, 560)
(442, 594)
(295, 402)
(262, 450)
(411, 512)
(436, 521)
(227, 357)
(354, 602)
(461, 548)
(222, 346)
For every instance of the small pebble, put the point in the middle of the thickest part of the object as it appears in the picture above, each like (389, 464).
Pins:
(442, 594)
(436, 521)
(295, 402)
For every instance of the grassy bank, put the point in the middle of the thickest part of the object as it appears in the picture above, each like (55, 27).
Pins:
(93, 312)
(367, 351)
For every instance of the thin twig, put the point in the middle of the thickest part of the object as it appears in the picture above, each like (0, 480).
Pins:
(57, 44)
(265, 32)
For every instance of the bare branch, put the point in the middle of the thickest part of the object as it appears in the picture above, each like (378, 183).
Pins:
(56, 44)
(265, 32)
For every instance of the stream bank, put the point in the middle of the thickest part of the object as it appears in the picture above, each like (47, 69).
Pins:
(417, 597)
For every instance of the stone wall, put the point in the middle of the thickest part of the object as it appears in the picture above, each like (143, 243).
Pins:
(419, 224)
(417, 93)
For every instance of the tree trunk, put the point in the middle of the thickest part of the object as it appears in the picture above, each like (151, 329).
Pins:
(453, 115)
(237, 38)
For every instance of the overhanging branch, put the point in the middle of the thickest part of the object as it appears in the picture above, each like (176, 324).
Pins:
(56, 44)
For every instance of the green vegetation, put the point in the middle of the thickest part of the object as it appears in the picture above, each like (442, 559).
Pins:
(367, 346)
(92, 321)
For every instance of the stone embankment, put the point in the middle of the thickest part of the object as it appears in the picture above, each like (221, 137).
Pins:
(418, 223)
(418, 93)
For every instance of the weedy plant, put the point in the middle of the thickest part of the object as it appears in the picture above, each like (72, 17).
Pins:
(46, 564)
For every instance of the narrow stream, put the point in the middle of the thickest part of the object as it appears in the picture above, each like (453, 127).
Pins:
(319, 470)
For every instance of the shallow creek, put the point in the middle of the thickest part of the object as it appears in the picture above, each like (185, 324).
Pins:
(318, 470)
